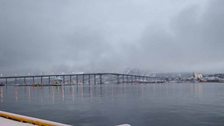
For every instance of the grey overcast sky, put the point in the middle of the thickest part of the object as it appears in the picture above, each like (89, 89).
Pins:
(111, 35)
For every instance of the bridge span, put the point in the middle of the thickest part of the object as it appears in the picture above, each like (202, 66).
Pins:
(84, 78)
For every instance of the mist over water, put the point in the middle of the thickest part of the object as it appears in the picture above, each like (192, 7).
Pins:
(186, 104)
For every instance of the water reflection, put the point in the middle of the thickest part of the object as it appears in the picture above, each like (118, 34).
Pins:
(50, 95)
(198, 89)
(70, 93)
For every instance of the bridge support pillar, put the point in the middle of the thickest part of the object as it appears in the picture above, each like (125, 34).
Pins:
(89, 78)
(70, 79)
(77, 79)
(83, 79)
(24, 79)
(94, 77)
(33, 80)
(49, 80)
(118, 79)
(41, 80)
(63, 79)
(101, 81)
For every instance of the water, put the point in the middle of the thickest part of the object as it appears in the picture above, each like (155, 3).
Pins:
(170, 104)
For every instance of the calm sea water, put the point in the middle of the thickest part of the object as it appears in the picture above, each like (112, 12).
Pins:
(170, 104)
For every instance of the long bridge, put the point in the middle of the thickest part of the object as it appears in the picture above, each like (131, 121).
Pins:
(83, 78)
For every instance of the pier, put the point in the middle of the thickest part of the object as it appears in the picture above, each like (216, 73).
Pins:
(71, 79)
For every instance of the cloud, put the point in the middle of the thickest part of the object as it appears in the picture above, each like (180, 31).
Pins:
(46, 36)
(192, 42)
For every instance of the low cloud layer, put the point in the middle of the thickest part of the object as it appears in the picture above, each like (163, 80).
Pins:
(102, 36)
